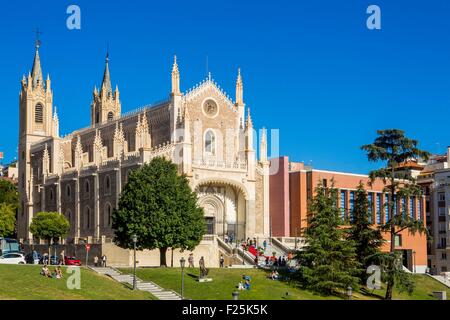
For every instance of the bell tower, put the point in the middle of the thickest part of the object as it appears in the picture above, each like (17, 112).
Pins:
(35, 123)
(105, 105)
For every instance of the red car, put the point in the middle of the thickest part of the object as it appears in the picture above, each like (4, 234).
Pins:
(72, 261)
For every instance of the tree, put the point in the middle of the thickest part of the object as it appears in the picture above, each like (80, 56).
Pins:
(8, 193)
(393, 148)
(7, 219)
(49, 226)
(328, 263)
(362, 232)
(159, 207)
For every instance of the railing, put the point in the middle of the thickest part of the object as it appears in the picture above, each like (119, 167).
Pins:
(217, 164)
(281, 246)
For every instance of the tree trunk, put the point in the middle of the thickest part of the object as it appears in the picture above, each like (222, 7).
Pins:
(49, 252)
(171, 259)
(391, 264)
(162, 257)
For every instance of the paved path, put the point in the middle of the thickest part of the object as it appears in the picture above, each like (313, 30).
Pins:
(148, 286)
(441, 279)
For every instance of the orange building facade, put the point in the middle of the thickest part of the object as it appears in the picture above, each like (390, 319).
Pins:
(301, 185)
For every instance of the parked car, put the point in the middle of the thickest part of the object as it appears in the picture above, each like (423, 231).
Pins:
(12, 258)
(72, 261)
(33, 259)
(54, 260)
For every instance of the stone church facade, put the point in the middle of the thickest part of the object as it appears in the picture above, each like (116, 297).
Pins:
(209, 137)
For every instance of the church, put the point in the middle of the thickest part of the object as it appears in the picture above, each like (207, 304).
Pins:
(81, 174)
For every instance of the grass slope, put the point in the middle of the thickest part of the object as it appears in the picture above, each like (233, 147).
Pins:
(24, 282)
(225, 282)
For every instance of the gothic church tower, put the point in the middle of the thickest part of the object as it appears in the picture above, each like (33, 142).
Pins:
(35, 123)
(106, 104)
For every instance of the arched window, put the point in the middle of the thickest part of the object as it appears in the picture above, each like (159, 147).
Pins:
(51, 194)
(68, 191)
(86, 189)
(69, 215)
(97, 117)
(87, 218)
(107, 185)
(210, 142)
(39, 113)
(108, 215)
(110, 116)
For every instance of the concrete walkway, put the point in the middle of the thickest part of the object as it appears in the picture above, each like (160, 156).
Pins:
(441, 279)
(148, 286)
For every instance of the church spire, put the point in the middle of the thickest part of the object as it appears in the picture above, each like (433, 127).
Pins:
(36, 71)
(106, 83)
(239, 89)
(175, 77)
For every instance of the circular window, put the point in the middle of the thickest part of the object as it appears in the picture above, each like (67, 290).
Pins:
(210, 108)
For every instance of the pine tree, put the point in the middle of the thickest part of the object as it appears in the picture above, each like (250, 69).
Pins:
(328, 263)
(393, 148)
(363, 233)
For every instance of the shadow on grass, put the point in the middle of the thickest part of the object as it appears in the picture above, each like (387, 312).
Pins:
(368, 293)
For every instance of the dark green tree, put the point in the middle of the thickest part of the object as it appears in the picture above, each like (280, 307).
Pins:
(393, 148)
(7, 219)
(328, 263)
(49, 226)
(159, 207)
(363, 233)
(8, 193)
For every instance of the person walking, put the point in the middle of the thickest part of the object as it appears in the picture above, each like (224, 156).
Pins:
(265, 245)
(61, 259)
(222, 260)
(96, 261)
(104, 261)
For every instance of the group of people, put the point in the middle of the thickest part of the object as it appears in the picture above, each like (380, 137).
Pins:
(102, 262)
(45, 271)
(280, 262)
(244, 284)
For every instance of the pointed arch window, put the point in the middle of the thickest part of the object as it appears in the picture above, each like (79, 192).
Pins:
(108, 215)
(210, 142)
(110, 116)
(39, 113)
(87, 217)
(107, 185)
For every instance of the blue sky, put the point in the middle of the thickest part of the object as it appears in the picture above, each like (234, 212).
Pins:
(311, 68)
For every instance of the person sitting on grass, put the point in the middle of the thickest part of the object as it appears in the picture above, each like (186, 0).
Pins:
(58, 272)
(45, 271)
(247, 278)
(247, 285)
(241, 286)
(275, 275)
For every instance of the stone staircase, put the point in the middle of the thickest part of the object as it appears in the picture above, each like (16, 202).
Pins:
(148, 286)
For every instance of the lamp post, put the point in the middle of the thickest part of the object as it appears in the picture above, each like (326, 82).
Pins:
(134, 273)
(182, 264)
(414, 261)
(349, 292)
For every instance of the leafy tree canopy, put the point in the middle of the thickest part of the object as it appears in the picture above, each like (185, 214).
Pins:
(159, 207)
(49, 226)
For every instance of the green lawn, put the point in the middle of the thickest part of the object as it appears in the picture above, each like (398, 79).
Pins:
(24, 282)
(225, 282)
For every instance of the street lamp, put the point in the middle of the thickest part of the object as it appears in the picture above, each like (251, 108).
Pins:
(134, 273)
(414, 261)
(182, 264)
(349, 292)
